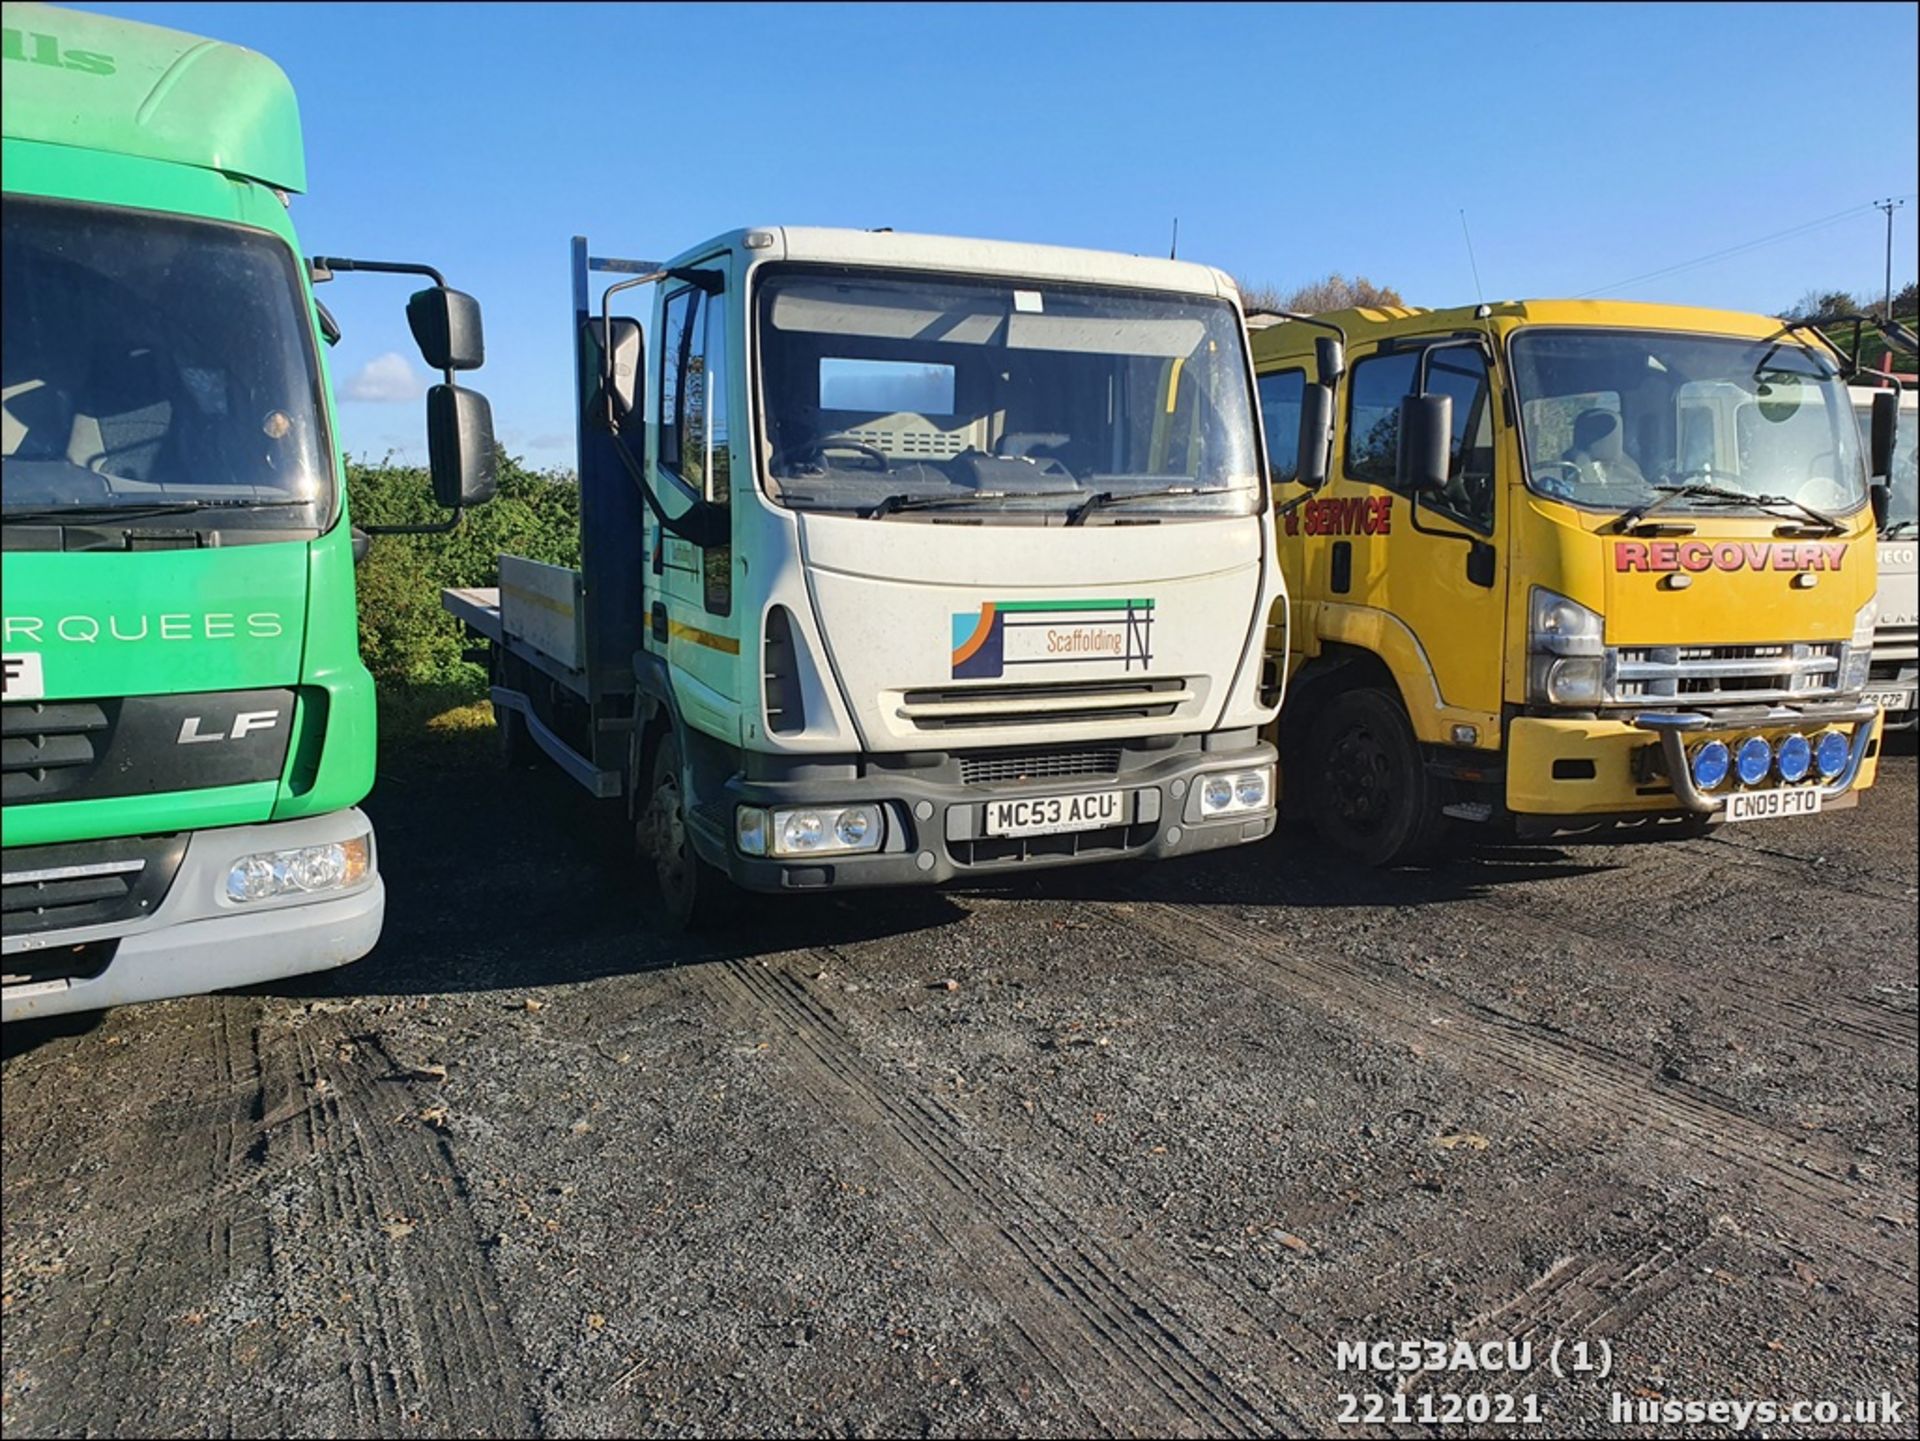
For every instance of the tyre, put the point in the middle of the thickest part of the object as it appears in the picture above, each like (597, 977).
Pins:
(1369, 791)
(694, 894)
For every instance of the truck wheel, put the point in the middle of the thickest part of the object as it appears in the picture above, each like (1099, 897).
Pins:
(1369, 791)
(695, 894)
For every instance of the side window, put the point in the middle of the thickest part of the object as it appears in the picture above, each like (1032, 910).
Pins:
(1280, 395)
(1373, 425)
(693, 419)
(1373, 415)
(717, 563)
(683, 388)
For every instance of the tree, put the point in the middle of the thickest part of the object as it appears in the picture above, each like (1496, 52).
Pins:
(406, 638)
(1333, 292)
(1823, 305)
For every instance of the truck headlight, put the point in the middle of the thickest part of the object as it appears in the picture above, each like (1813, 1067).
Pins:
(1235, 793)
(808, 830)
(1558, 626)
(304, 870)
(1567, 652)
(1570, 680)
(1858, 654)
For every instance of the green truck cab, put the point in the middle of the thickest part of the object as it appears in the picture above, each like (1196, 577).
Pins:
(188, 725)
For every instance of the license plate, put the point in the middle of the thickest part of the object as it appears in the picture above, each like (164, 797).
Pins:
(1774, 804)
(1891, 700)
(1053, 815)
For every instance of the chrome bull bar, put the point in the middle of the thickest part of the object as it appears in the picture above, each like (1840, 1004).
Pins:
(1674, 726)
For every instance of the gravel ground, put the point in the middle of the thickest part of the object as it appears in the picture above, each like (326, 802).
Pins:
(1117, 1151)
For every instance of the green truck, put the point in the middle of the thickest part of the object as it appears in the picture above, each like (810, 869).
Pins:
(188, 726)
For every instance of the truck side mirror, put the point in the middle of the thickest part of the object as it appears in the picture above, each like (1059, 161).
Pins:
(446, 326)
(1880, 432)
(1316, 435)
(460, 446)
(1424, 455)
(1329, 358)
(622, 367)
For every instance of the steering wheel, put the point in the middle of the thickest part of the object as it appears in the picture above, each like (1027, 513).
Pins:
(1562, 486)
(853, 443)
(813, 449)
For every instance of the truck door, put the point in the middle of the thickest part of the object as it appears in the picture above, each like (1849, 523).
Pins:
(692, 586)
(1420, 566)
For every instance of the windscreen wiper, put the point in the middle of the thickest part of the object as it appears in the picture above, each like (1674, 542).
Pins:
(1105, 498)
(1703, 490)
(894, 503)
(111, 514)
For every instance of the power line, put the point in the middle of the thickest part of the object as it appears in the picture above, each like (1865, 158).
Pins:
(1787, 234)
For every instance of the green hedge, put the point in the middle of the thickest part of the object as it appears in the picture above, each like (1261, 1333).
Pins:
(405, 636)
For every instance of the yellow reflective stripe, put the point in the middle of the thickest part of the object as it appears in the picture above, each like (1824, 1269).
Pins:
(727, 644)
(1173, 381)
(534, 598)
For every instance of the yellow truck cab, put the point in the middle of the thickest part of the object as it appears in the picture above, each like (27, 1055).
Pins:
(1562, 565)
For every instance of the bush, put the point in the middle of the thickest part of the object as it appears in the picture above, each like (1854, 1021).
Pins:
(406, 637)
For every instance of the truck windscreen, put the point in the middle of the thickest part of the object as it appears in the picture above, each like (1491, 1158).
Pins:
(1616, 419)
(886, 393)
(157, 365)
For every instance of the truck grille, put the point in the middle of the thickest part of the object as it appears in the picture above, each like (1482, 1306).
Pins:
(970, 707)
(1702, 674)
(998, 767)
(45, 748)
(1895, 643)
(85, 883)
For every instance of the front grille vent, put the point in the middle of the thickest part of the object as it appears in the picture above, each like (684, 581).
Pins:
(1742, 673)
(1002, 767)
(86, 883)
(1016, 705)
(41, 744)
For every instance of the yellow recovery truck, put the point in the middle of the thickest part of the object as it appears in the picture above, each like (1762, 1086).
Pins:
(1561, 565)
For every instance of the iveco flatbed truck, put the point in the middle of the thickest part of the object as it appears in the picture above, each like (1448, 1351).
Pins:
(904, 560)
(188, 726)
(1569, 565)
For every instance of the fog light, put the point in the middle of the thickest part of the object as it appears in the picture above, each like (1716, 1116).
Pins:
(1794, 758)
(1752, 760)
(1831, 753)
(1711, 762)
(303, 870)
(1234, 793)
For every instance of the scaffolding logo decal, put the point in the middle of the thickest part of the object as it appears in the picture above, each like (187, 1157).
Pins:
(1051, 632)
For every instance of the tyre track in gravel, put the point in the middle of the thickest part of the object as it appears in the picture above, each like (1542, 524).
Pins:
(138, 1277)
(425, 1341)
(1860, 1017)
(1810, 1197)
(1126, 1352)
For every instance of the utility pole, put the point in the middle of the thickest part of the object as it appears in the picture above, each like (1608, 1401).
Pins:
(1889, 205)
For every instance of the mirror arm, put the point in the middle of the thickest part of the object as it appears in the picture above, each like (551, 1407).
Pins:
(439, 527)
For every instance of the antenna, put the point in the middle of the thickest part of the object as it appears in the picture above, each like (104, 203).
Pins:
(1481, 294)
(1173, 250)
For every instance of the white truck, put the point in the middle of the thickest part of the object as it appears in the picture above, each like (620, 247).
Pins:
(1894, 672)
(904, 559)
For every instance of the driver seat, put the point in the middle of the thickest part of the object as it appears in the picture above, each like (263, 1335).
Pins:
(1599, 451)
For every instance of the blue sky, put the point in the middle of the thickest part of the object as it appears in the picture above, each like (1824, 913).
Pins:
(1589, 145)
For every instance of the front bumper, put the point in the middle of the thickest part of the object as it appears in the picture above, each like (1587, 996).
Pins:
(1600, 768)
(934, 829)
(1895, 684)
(196, 940)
